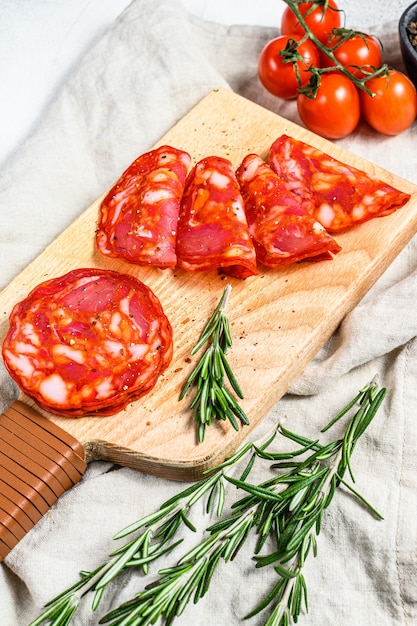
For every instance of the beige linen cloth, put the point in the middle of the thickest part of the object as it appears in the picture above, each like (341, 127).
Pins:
(151, 68)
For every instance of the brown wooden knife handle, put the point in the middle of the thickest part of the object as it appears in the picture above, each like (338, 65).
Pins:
(38, 462)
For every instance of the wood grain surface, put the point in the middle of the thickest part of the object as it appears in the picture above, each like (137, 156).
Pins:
(279, 319)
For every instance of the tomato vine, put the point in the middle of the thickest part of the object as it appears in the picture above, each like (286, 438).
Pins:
(310, 89)
(339, 78)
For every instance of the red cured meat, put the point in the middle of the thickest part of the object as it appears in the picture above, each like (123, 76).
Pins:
(212, 229)
(282, 229)
(88, 343)
(340, 196)
(139, 216)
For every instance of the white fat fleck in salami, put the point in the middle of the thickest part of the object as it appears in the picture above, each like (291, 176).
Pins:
(54, 390)
(281, 227)
(138, 217)
(215, 177)
(88, 343)
(17, 360)
(336, 194)
(61, 350)
(212, 230)
(325, 214)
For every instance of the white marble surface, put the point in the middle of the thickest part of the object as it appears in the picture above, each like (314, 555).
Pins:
(42, 40)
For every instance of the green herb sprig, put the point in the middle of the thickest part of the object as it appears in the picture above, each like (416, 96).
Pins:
(306, 489)
(152, 536)
(213, 400)
(287, 508)
(155, 534)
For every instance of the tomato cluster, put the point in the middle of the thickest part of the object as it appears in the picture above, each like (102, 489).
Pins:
(329, 102)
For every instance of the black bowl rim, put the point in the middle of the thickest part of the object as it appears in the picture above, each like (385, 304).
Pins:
(409, 15)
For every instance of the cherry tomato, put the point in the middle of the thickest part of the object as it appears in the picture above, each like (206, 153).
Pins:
(394, 107)
(279, 77)
(359, 50)
(335, 111)
(319, 20)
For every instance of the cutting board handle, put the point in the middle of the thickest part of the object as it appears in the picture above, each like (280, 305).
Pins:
(38, 462)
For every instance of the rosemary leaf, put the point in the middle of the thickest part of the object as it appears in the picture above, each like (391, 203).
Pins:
(137, 562)
(248, 468)
(221, 499)
(118, 566)
(343, 412)
(65, 607)
(255, 490)
(97, 598)
(196, 371)
(371, 412)
(303, 441)
(302, 483)
(284, 572)
(231, 377)
(275, 591)
(209, 571)
(360, 497)
(187, 522)
(211, 325)
(145, 521)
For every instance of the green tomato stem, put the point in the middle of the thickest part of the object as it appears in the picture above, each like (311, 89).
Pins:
(359, 82)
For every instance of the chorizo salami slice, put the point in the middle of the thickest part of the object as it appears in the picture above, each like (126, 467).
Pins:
(138, 217)
(88, 342)
(282, 229)
(340, 196)
(212, 229)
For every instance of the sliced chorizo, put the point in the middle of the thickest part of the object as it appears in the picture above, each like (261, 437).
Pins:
(212, 229)
(340, 195)
(88, 342)
(281, 227)
(138, 217)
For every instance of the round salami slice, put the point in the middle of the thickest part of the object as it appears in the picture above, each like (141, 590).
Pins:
(88, 343)
(138, 217)
(282, 229)
(340, 196)
(212, 229)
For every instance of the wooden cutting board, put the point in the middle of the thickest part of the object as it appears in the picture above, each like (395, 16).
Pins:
(279, 319)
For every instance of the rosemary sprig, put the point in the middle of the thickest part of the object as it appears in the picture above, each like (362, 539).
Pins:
(287, 507)
(152, 535)
(155, 534)
(308, 489)
(186, 582)
(213, 400)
